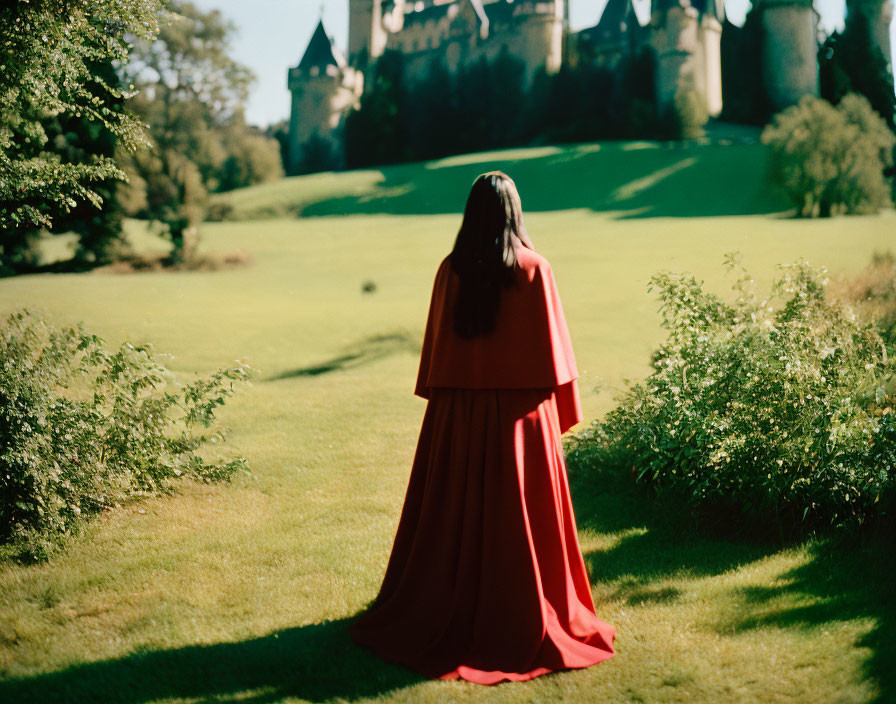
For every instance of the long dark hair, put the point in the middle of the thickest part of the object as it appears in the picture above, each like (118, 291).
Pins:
(484, 254)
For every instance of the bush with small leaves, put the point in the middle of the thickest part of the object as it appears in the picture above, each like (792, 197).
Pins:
(872, 294)
(775, 412)
(83, 427)
(686, 114)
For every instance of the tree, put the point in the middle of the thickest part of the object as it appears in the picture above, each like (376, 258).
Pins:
(433, 113)
(375, 132)
(252, 158)
(831, 160)
(639, 110)
(851, 62)
(318, 154)
(77, 140)
(53, 53)
(744, 98)
(279, 132)
(475, 101)
(192, 97)
(686, 115)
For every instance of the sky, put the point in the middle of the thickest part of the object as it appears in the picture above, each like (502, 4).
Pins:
(272, 35)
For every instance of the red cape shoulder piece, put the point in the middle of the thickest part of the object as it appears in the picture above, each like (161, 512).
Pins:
(529, 348)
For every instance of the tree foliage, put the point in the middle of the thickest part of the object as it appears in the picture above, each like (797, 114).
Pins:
(744, 98)
(686, 115)
(489, 104)
(831, 160)
(192, 95)
(851, 62)
(78, 140)
(375, 132)
(53, 53)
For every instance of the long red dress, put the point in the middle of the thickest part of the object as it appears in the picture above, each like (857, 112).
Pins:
(486, 579)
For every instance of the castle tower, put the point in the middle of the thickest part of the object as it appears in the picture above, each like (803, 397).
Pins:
(674, 39)
(789, 50)
(366, 34)
(323, 90)
(541, 35)
(709, 83)
(686, 36)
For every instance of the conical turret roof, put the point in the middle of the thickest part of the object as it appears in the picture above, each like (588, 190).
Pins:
(616, 20)
(319, 52)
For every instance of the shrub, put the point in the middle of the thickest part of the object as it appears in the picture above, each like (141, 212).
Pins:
(219, 210)
(831, 160)
(82, 428)
(779, 410)
(872, 293)
(686, 115)
(318, 154)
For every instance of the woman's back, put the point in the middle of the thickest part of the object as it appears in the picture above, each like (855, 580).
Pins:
(529, 346)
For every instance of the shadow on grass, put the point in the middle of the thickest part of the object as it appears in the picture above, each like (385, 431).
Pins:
(368, 350)
(651, 547)
(839, 583)
(639, 179)
(842, 581)
(317, 663)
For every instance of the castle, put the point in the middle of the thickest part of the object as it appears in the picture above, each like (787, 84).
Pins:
(685, 36)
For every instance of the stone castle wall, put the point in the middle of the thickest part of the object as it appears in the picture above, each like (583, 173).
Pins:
(790, 52)
(686, 43)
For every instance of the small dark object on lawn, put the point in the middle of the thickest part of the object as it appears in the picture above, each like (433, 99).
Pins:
(368, 287)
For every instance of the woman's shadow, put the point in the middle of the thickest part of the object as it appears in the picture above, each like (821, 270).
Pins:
(317, 662)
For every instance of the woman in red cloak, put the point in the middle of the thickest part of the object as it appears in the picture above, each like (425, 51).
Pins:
(486, 579)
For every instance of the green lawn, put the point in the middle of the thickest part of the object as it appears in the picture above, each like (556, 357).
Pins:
(242, 592)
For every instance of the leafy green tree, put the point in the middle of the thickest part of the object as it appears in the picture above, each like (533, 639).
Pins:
(433, 108)
(850, 62)
(318, 154)
(575, 104)
(192, 95)
(375, 133)
(686, 115)
(252, 158)
(508, 99)
(744, 98)
(831, 160)
(475, 100)
(279, 132)
(637, 97)
(53, 53)
(78, 140)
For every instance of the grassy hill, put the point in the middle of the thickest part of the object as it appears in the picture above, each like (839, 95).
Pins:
(243, 592)
(629, 179)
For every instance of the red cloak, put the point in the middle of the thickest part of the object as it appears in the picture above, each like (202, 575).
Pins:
(486, 579)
